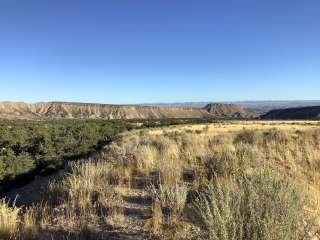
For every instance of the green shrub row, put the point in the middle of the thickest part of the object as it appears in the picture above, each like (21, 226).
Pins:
(29, 146)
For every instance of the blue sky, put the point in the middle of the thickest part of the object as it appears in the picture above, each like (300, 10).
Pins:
(133, 51)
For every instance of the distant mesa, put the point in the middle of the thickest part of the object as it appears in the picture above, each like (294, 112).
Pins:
(56, 110)
(70, 110)
(221, 110)
(67, 110)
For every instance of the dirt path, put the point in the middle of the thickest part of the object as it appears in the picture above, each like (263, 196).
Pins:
(137, 207)
(31, 192)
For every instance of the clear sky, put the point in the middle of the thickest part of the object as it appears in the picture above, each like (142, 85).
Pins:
(133, 51)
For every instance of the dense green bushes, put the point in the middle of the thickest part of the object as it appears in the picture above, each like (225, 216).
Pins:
(34, 146)
(149, 123)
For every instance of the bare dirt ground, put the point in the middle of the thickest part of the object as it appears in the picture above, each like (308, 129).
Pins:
(31, 192)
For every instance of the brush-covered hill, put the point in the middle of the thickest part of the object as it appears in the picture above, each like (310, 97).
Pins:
(294, 113)
(227, 110)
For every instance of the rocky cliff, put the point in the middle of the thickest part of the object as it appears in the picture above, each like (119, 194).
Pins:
(94, 111)
(20, 110)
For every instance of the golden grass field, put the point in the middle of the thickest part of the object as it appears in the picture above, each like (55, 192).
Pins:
(233, 126)
(227, 180)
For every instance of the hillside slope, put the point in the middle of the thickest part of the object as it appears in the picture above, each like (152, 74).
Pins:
(294, 113)
(226, 110)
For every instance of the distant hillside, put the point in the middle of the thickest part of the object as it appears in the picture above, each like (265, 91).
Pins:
(20, 110)
(258, 107)
(94, 111)
(294, 113)
(226, 110)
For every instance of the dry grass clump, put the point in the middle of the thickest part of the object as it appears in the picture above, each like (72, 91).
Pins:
(148, 155)
(172, 200)
(230, 160)
(86, 194)
(84, 182)
(222, 163)
(276, 136)
(168, 206)
(33, 218)
(247, 136)
(9, 220)
(248, 156)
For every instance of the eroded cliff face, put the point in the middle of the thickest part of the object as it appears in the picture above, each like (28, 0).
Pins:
(95, 111)
(16, 110)
(220, 110)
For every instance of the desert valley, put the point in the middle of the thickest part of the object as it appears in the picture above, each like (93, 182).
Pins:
(159, 120)
(95, 171)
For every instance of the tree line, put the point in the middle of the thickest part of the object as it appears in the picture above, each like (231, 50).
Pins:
(29, 147)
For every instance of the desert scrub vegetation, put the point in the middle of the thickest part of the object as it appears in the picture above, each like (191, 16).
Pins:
(39, 147)
(261, 184)
(172, 200)
(230, 160)
(175, 155)
(257, 206)
(169, 203)
(247, 136)
(78, 207)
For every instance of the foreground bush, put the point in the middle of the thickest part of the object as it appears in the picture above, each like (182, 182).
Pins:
(247, 136)
(172, 200)
(221, 163)
(261, 206)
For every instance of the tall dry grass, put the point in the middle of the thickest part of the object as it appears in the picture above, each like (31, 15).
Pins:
(295, 155)
(172, 200)
(9, 220)
(73, 208)
(84, 197)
